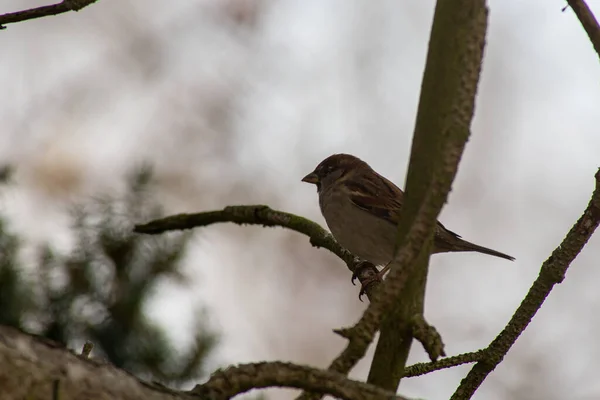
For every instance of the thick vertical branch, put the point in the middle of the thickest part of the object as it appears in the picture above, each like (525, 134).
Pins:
(442, 128)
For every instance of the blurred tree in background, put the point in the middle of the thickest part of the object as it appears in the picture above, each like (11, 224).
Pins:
(98, 292)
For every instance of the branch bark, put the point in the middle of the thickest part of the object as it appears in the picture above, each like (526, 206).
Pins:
(588, 21)
(223, 385)
(442, 129)
(265, 216)
(33, 368)
(44, 11)
(425, 368)
(552, 272)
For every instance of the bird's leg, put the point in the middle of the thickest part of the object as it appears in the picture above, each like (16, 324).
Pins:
(361, 269)
(368, 274)
(378, 277)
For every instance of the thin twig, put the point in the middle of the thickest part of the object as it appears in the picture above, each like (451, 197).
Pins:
(44, 11)
(425, 368)
(552, 272)
(87, 349)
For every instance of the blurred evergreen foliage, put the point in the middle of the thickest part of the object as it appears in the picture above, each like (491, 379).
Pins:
(99, 291)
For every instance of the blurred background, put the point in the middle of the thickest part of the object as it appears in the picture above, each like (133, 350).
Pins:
(133, 109)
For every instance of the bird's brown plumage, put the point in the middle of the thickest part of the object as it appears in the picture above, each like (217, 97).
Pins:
(345, 182)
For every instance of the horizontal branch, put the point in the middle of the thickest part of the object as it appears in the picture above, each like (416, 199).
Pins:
(44, 11)
(265, 216)
(33, 367)
(239, 379)
(552, 272)
(249, 215)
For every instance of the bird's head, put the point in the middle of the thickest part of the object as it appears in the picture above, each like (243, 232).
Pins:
(332, 169)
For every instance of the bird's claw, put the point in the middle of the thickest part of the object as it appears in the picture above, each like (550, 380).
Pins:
(368, 274)
(377, 278)
(360, 268)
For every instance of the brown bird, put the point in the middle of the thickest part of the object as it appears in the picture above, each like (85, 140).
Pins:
(362, 210)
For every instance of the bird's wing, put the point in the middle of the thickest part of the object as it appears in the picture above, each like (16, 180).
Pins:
(378, 196)
(384, 199)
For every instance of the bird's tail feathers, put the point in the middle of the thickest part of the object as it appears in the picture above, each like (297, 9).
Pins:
(463, 245)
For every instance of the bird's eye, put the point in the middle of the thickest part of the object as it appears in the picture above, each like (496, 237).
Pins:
(324, 170)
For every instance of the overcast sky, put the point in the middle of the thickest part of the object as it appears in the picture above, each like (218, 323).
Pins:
(234, 101)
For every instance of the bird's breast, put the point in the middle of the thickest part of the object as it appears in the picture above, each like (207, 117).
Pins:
(362, 233)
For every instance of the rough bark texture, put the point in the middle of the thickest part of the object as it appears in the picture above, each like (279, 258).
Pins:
(238, 379)
(442, 129)
(34, 368)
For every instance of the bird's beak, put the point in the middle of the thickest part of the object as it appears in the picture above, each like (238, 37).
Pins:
(311, 178)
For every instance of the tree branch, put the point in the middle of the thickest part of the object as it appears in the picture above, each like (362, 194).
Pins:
(425, 368)
(588, 21)
(32, 367)
(446, 108)
(265, 216)
(552, 272)
(239, 379)
(44, 11)
(428, 336)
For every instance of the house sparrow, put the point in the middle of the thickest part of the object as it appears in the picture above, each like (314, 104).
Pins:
(362, 210)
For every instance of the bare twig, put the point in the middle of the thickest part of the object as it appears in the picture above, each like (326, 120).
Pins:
(239, 379)
(552, 272)
(44, 11)
(425, 368)
(588, 21)
(87, 349)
